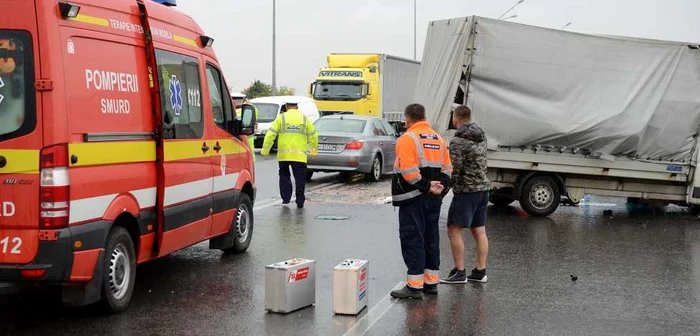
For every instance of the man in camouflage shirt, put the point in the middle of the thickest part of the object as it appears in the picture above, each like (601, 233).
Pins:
(470, 186)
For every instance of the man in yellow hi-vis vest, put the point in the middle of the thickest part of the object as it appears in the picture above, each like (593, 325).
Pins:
(296, 134)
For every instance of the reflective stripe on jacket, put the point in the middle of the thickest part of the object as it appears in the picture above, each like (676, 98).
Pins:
(296, 134)
(422, 156)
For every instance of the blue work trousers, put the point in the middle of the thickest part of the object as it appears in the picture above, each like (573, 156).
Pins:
(299, 171)
(420, 235)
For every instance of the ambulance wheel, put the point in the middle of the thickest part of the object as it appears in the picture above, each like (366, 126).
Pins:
(242, 227)
(120, 270)
(375, 172)
(541, 196)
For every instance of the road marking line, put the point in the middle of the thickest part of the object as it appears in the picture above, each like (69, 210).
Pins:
(363, 325)
(277, 201)
(267, 205)
(597, 204)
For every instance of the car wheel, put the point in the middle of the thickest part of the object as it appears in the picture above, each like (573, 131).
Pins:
(120, 265)
(541, 196)
(242, 226)
(375, 172)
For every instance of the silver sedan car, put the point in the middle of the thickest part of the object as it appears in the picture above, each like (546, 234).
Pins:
(354, 144)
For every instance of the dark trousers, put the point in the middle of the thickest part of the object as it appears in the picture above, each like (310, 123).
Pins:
(299, 170)
(420, 235)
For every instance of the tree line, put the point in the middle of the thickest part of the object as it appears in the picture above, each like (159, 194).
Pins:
(261, 89)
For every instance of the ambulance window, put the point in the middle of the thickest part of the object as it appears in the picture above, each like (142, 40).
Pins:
(220, 100)
(17, 99)
(181, 97)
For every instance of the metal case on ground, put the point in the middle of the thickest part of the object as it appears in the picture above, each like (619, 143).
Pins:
(350, 282)
(290, 285)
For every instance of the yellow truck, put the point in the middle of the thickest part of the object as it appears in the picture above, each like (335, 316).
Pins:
(376, 85)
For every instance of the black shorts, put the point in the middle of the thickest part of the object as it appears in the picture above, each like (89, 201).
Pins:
(468, 210)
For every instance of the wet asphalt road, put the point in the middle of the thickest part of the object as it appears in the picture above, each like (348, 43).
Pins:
(267, 171)
(638, 274)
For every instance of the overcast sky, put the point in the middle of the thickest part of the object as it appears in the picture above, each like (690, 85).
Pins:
(307, 30)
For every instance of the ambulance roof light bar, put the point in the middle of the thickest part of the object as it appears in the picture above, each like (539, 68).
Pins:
(170, 3)
(68, 10)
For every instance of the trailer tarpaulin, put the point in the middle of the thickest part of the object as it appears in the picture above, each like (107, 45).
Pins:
(538, 86)
(441, 68)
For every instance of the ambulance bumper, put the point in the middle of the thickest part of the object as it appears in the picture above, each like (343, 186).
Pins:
(56, 257)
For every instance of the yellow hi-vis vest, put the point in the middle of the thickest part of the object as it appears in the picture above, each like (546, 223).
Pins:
(296, 134)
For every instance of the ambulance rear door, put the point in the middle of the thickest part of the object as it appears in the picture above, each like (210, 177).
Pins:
(20, 132)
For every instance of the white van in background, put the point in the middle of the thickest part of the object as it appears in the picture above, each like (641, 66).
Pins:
(270, 107)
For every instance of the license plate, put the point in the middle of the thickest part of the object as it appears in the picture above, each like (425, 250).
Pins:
(326, 147)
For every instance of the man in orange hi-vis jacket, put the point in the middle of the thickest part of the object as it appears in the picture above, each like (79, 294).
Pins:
(421, 178)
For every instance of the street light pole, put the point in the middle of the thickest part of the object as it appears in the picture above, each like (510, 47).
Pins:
(274, 47)
(566, 26)
(415, 38)
(508, 11)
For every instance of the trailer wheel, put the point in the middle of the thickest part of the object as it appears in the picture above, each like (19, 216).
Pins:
(120, 265)
(541, 196)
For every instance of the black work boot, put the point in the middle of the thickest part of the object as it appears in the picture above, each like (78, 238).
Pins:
(430, 289)
(407, 293)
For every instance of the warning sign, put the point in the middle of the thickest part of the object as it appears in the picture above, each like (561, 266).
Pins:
(299, 275)
(363, 284)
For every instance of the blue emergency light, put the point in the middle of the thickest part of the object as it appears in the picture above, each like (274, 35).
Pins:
(171, 3)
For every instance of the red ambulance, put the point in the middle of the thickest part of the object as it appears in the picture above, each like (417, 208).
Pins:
(119, 144)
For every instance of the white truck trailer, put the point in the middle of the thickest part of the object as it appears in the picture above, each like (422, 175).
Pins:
(569, 114)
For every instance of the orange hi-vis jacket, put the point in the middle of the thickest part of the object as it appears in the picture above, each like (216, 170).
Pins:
(422, 156)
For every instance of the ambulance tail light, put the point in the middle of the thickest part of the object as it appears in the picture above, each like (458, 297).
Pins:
(354, 145)
(55, 188)
(33, 273)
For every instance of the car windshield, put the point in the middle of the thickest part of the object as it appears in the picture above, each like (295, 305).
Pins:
(337, 125)
(338, 91)
(16, 84)
(267, 112)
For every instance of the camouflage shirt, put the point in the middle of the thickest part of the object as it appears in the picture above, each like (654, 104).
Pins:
(468, 154)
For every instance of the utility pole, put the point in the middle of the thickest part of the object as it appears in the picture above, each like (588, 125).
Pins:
(415, 37)
(274, 47)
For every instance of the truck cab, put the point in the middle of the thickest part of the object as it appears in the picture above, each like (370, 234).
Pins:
(118, 145)
(349, 85)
